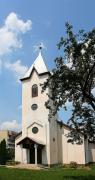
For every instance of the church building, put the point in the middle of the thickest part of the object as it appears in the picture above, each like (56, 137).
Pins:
(42, 141)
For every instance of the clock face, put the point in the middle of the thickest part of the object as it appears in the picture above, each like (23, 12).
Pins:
(34, 106)
(35, 130)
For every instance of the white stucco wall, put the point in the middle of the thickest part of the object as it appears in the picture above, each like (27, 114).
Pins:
(18, 150)
(40, 136)
(53, 142)
(91, 152)
(68, 152)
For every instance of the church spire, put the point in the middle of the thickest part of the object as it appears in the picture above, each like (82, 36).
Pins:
(39, 65)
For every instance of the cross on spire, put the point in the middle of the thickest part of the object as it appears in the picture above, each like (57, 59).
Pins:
(40, 47)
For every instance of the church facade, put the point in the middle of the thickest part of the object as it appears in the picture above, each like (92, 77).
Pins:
(42, 141)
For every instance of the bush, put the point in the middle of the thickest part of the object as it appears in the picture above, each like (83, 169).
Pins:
(73, 164)
(11, 162)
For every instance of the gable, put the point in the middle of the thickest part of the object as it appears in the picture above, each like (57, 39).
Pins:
(34, 69)
(35, 123)
(37, 132)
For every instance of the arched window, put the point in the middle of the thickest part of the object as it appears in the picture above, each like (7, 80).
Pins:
(34, 90)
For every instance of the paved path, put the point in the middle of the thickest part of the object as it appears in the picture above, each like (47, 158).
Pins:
(27, 166)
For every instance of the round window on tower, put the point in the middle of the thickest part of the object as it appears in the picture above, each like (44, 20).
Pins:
(34, 106)
(35, 130)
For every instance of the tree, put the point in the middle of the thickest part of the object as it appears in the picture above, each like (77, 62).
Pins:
(3, 152)
(73, 79)
(10, 154)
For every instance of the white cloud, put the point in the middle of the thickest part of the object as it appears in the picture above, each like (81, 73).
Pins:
(16, 68)
(10, 33)
(8, 41)
(13, 23)
(10, 125)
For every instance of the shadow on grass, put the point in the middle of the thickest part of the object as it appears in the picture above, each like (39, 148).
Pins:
(79, 177)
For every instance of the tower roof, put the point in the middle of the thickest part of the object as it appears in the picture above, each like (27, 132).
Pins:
(39, 65)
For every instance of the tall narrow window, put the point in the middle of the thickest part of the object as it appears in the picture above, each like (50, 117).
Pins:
(34, 90)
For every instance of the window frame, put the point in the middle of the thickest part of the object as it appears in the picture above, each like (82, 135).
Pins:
(34, 90)
(35, 130)
(34, 107)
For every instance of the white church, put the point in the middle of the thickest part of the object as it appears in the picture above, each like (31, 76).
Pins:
(42, 141)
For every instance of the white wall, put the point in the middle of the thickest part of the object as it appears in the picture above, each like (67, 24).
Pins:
(18, 150)
(68, 152)
(91, 152)
(53, 142)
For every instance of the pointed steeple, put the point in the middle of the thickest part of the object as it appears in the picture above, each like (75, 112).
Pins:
(39, 65)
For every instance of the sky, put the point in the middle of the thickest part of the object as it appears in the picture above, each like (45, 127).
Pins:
(23, 25)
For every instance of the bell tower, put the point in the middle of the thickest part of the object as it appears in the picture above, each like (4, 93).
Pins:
(33, 100)
(37, 130)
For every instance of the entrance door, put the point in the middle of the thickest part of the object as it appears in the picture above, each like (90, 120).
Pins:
(32, 155)
(39, 155)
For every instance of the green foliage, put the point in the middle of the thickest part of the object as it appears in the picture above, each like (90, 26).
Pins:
(3, 152)
(73, 80)
(10, 154)
(12, 162)
(73, 164)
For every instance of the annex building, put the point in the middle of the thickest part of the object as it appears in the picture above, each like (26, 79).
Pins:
(43, 141)
(9, 137)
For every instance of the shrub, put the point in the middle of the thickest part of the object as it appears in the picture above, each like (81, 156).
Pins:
(73, 164)
(11, 162)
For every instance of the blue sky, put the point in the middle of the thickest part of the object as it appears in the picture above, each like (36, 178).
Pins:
(23, 25)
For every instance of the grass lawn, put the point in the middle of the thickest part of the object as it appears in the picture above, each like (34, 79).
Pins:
(50, 174)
